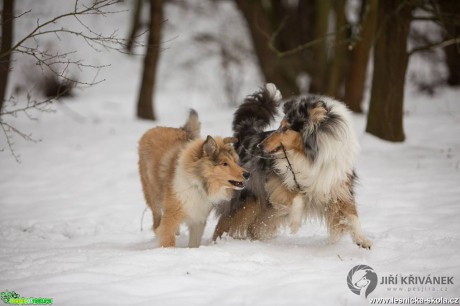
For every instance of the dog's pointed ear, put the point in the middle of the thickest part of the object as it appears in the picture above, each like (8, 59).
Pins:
(287, 106)
(209, 146)
(230, 140)
(317, 112)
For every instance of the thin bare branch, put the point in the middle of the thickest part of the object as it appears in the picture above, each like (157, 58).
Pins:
(9, 141)
(30, 105)
(96, 8)
(299, 48)
(440, 44)
(9, 131)
(59, 64)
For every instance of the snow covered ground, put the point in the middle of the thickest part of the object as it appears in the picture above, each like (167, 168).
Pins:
(71, 211)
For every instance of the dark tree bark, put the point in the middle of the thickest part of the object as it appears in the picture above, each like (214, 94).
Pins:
(385, 117)
(318, 73)
(298, 26)
(452, 53)
(5, 55)
(306, 17)
(356, 78)
(135, 24)
(450, 18)
(336, 65)
(275, 69)
(145, 108)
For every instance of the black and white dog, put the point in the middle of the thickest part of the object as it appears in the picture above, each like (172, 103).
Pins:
(305, 168)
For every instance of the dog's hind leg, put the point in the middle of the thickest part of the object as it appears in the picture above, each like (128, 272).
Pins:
(156, 215)
(222, 227)
(266, 225)
(155, 207)
(343, 217)
(149, 196)
(172, 218)
(236, 223)
(196, 233)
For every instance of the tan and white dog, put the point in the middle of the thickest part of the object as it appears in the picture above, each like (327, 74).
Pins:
(183, 177)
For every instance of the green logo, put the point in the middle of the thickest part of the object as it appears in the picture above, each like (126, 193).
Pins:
(12, 298)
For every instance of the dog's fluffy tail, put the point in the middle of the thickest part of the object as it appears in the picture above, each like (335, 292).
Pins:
(193, 125)
(257, 112)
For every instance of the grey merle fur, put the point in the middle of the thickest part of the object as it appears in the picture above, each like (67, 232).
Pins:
(250, 120)
(323, 185)
(254, 115)
(296, 112)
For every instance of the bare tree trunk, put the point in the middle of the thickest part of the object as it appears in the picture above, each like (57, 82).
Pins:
(452, 53)
(336, 65)
(306, 17)
(277, 70)
(145, 108)
(318, 74)
(135, 24)
(356, 79)
(385, 117)
(298, 28)
(450, 10)
(7, 37)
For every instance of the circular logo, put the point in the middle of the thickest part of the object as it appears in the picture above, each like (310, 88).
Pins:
(362, 280)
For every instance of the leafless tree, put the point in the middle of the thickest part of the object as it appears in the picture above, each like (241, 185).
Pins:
(52, 63)
(385, 117)
(6, 44)
(337, 58)
(360, 54)
(145, 107)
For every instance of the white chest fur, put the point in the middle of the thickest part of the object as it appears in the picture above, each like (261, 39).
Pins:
(193, 198)
(321, 181)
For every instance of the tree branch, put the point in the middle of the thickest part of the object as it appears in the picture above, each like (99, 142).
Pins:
(58, 63)
(440, 44)
(281, 54)
(96, 8)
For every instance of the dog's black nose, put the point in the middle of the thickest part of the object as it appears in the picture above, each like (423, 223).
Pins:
(246, 174)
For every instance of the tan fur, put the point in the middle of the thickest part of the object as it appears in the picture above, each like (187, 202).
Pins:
(266, 224)
(156, 164)
(182, 178)
(288, 138)
(317, 114)
(338, 217)
(235, 224)
(260, 223)
(278, 194)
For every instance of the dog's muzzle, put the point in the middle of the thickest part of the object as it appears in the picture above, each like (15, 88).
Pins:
(239, 185)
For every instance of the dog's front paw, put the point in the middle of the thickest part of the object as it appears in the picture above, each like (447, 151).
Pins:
(295, 225)
(363, 242)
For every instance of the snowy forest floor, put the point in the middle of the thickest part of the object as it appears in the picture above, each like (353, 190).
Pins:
(71, 211)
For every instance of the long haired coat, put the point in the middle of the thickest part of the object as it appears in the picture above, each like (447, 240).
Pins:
(305, 168)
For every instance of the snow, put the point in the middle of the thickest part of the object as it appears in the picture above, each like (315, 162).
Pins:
(71, 210)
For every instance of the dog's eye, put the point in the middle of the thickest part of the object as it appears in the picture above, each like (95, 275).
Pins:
(284, 129)
(225, 164)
